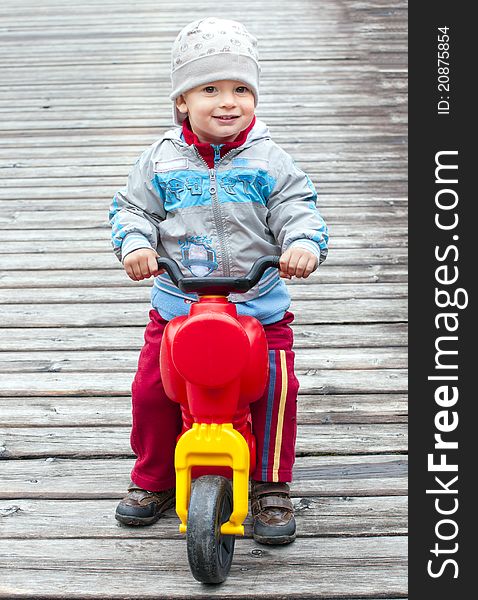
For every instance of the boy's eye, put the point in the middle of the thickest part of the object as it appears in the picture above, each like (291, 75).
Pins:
(241, 89)
(209, 89)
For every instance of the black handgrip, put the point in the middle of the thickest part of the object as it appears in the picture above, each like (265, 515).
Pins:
(172, 269)
(217, 285)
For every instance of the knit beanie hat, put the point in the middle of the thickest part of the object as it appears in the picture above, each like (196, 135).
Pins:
(213, 49)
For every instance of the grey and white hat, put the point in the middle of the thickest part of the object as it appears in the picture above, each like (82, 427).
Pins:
(213, 49)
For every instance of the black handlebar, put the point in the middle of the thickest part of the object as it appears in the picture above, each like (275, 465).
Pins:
(222, 286)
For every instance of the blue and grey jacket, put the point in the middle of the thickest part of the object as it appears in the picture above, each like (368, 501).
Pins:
(217, 222)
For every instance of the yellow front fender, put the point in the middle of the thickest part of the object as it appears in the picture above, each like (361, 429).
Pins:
(213, 445)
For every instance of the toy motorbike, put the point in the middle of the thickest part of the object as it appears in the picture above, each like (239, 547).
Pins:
(214, 363)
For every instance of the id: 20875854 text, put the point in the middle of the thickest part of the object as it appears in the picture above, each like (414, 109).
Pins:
(443, 70)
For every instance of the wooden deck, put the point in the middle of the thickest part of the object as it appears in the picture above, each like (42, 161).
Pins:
(83, 89)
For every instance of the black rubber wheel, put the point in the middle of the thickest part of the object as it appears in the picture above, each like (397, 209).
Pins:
(209, 552)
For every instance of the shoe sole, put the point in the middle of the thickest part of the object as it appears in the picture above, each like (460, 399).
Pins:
(135, 521)
(142, 521)
(278, 540)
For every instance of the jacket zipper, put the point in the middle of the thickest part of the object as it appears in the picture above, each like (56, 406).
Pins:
(216, 207)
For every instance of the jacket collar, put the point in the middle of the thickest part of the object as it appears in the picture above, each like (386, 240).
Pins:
(206, 150)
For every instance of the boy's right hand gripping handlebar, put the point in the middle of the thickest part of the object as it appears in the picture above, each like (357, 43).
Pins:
(221, 286)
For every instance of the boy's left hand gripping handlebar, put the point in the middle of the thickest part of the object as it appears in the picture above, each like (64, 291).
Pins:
(217, 285)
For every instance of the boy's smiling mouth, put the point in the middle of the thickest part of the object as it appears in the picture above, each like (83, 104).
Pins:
(226, 117)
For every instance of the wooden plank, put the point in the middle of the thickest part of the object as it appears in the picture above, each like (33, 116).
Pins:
(102, 136)
(108, 361)
(63, 197)
(373, 234)
(78, 155)
(120, 166)
(352, 408)
(339, 257)
(334, 69)
(130, 144)
(63, 25)
(395, 54)
(89, 442)
(293, 46)
(387, 184)
(121, 163)
(98, 218)
(377, 335)
(369, 566)
(55, 202)
(67, 478)
(358, 127)
(100, 241)
(135, 313)
(305, 72)
(116, 410)
(132, 293)
(372, 237)
(142, 116)
(329, 516)
(313, 381)
(76, 113)
(73, 277)
(125, 155)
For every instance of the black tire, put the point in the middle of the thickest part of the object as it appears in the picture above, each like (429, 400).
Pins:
(209, 552)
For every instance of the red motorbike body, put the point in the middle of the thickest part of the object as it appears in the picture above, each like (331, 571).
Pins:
(215, 363)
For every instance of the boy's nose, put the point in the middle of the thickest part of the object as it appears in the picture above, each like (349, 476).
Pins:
(227, 99)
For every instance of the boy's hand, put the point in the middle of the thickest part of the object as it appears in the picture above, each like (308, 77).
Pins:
(141, 264)
(297, 262)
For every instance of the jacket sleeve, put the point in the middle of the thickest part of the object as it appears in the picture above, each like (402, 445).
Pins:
(136, 210)
(293, 217)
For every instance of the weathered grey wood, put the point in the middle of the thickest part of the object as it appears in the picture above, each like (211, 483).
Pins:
(28, 219)
(143, 72)
(332, 516)
(106, 156)
(389, 187)
(373, 566)
(107, 361)
(66, 478)
(346, 256)
(114, 276)
(87, 442)
(373, 236)
(373, 232)
(312, 381)
(140, 54)
(358, 128)
(83, 91)
(375, 335)
(391, 133)
(135, 313)
(142, 48)
(29, 152)
(133, 293)
(61, 199)
(14, 175)
(116, 410)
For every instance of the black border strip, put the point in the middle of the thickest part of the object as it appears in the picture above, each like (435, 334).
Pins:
(433, 195)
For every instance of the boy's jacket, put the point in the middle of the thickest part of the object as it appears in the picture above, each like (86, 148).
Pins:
(217, 222)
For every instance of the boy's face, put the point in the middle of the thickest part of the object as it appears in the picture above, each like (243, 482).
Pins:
(218, 111)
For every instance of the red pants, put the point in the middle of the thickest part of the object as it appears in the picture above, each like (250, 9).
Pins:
(157, 420)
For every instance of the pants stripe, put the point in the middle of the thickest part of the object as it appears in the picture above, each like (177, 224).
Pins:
(280, 418)
(270, 406)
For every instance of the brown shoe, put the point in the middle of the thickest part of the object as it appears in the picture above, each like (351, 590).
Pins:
(140, 507)
(273, 513)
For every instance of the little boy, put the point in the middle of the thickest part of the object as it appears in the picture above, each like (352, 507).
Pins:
(215, 194)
